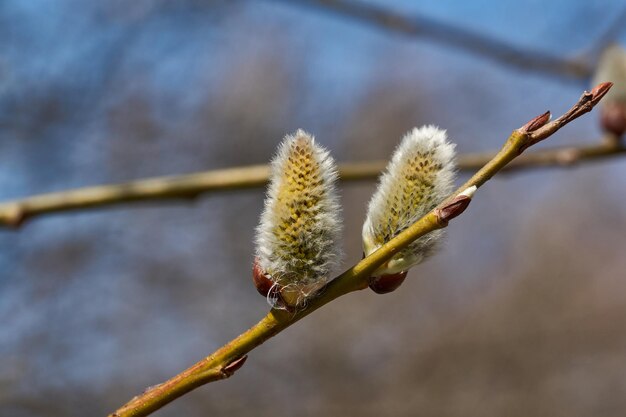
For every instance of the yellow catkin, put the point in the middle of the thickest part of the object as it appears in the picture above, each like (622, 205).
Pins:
(300, 226)
(419, 176)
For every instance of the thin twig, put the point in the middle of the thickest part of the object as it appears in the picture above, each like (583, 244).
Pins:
(15, 213)
(488, 47)
(230, 357)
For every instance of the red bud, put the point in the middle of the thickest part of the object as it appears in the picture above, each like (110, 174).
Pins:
(600, 91)
(613, 117)
(234, 366)
(387, 283)
(262, 282)
(536, 123)
(453, 208)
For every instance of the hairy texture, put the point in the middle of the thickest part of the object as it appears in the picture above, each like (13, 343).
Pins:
(297, 238)
(419, 176)
(612, 67)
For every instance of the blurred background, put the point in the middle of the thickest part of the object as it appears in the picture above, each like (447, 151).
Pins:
(521, 313)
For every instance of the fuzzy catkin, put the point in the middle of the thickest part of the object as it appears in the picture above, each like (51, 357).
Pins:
(419, 176)
(612, 67)
(297, 238)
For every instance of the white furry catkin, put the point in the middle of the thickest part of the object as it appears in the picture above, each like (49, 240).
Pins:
(419, 176)
(612, 67)
(297, 238)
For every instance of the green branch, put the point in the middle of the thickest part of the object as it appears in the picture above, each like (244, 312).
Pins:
(225, 361)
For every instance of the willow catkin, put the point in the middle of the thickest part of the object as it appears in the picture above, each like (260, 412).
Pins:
(297, 238)
(612, 67)
(419, 176)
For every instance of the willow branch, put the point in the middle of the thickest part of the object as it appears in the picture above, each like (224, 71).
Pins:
(14, 213)
(226, 360)
(421, 26)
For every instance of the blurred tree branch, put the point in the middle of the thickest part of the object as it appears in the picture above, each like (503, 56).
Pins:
(577, 67)
(226, 360)
(14, 213)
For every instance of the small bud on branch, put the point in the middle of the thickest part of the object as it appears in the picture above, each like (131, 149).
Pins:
(456, 206)
(585, 103)
(387, 283)
(536, 123)
(234, 366)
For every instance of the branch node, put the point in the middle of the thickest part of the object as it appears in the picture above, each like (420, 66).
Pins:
(536, 123)
(234, 366)
(455, 207)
